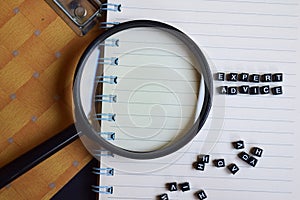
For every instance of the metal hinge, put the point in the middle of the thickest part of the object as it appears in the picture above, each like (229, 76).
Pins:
(80, 15)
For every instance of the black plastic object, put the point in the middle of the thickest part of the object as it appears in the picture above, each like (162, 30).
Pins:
(27, 161)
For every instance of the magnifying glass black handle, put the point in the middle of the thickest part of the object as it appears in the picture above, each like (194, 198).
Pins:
(25, 162)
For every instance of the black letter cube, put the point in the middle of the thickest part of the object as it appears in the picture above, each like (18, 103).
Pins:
(200, 165)
(223, 89)
(244, 77)
(244, 89)
(172, 186)
(233, 168)
(219, 163)
(254, 90)
(204, 158)
(244, 156)
(278, 77)
(201, 195)
(252, 161)
(220, 76)
(254, 78)
(256, 151)
(163, 197)
(265, 89)
(277, 90)
(238, 144)
(232, 90)
(266, 78)
(184, 186)
(232, 77)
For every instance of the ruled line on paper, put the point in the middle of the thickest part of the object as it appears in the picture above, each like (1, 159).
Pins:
(150, 115)
(157, 103)
(212, 189)
(152, 54)
(241, 36)
(221, 24)
(154, 128)
(156, 67)
(208, 177)
(255, 191)
(185, 164)
(122, 197)
(210, 11)
(247, 48)
(245, 36)
(251, 131)
(256, 108)
(257, 2)
(197, 140)
(283, 120)
(158, 79)
(153, 91)
(254, 60)
(217, 47)
(211, 58)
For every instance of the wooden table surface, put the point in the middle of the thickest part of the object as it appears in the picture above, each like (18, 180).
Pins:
(38, 56)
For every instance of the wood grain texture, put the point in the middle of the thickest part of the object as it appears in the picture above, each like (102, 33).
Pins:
(38, 56)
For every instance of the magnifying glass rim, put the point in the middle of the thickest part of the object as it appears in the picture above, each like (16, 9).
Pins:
(86, 128)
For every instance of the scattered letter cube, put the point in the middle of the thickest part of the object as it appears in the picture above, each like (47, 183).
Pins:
(219, 163)
(238, 144)
(252, 161)
(204, 158)
(233, 168)
(172, 186)
(256, 151)
(163, 197)
(200, 165)
(184, 186)
(201, 195)
(244, 156)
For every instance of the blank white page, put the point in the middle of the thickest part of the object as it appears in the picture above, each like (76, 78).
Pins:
(256, 37)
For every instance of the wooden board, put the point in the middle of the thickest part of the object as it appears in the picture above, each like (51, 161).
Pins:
(38, 56)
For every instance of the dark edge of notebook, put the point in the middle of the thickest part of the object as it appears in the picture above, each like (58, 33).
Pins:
(79, 187)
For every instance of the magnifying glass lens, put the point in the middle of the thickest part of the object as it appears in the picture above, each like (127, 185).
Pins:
(141, 89)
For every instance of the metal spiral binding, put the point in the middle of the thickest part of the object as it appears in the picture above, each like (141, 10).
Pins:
(109, 61)
(103, 171)
(106, 79)
(111, 7)
(110, 42)
(102, 152)
(102, 189)
(108, 98)
(105, 117)
(108, 24)
(107, 135)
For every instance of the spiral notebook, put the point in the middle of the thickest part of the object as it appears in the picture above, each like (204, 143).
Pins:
(256, 37)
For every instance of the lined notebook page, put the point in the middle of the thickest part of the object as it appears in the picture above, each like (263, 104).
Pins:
(157, 89)
(237, 36)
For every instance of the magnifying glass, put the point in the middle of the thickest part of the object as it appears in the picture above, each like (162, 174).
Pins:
(142, 90)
